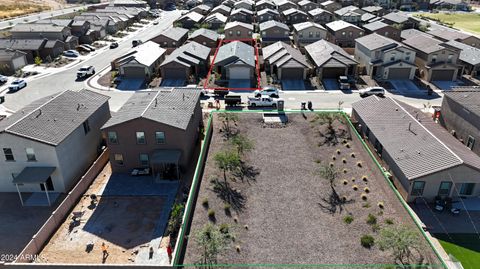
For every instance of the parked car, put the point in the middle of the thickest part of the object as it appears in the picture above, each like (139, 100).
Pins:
(344, 83)
(85, 71)
(136, 42)
(264, 100)
(378, 91)
(83, 48)
(92, 48)
(269, 90)
(3, 79)
(114, 45)
(17, 85)
(71, 53)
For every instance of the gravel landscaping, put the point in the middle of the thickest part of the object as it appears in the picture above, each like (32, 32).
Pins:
(284, 211)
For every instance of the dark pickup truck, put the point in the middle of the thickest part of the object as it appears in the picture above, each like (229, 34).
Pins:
(233, 100)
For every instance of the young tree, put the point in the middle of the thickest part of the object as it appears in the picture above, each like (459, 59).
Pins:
(227, 161)
(242, 143)
(329, 173)
(37, 60)
(175, 218)
(212, 242)
(228, 119)
(400, 240)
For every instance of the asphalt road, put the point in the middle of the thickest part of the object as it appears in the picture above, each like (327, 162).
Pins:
(65, 80)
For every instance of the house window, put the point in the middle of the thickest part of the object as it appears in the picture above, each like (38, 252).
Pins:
(140, 137)
(466, 188)
(300, 34)
(86, 127)
(49, 185)
(30, 154)
(318, 34)
(434, 58)
(165, 43)
(445, 187)
(386, 33)
(344, 34)
(286, 33)
(238, 33)
(470, 142)
(392, 58)
(269, 17)
(112, 138)
(204, 43)
(230, 33)
(450, 58)
(310, 34)
(118, 159)
(249, 32)
(407, 58)
(144, 159)
(417, 189)
(264, 33)
(350, 34)
(160, 137)
(174, 43)
(8, 154)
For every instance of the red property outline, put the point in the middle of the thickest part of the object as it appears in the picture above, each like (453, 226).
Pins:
(257, 67)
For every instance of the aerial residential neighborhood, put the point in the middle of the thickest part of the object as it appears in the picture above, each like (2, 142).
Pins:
(239, 134)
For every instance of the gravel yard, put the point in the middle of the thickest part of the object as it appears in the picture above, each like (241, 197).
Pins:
(283, 214)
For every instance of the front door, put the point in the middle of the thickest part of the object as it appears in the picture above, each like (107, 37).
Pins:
(49, 184)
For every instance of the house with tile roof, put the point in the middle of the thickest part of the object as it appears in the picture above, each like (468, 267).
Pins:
(50, 143)
(156, 129)
(141, 62)
(235, 61)
(172, 38)
(460, 115)
(424, 159)
(330, 61)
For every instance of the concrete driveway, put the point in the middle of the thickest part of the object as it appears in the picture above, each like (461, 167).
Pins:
(293, 85)
(131, 84)
(330, 84)
(173, 83)
(447, 85)
(405, 86)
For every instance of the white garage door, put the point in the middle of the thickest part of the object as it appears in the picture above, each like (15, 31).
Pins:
(239, 72)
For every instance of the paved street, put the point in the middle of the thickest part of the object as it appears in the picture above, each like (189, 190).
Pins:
(65, 80)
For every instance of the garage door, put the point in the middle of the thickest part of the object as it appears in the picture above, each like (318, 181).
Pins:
(292, 73)
(399, 73)
(174, 73)
(134, 72)
(239, 72)
(333, 72)
(442, 75)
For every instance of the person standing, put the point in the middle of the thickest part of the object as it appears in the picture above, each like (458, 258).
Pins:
(105, 253)
(169, 252)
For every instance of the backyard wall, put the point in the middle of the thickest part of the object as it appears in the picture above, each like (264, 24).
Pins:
(35, 245)
(179, 250)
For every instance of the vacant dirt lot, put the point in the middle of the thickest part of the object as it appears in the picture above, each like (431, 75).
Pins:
(12, 8)
(283, 215)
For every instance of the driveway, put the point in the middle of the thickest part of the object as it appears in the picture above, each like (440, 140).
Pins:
(131, 84)
(330, 84)
(173, 83)
(293, 85)
(239, 84)
(447, 85)
(405, 86)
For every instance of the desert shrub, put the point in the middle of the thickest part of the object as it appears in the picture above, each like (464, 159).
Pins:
(344, 160)
(366, 205)
(367, 241)
(205, 202)
(211, 213)
(334, 157)
(375, 228)
(359, 164)
(371, 219)
(380, 204)
(345, 182)
(347, 145)
(331, 164)
(338, 151)
(366, 190)
(364, 196)
(345, 170)
(348, 219)
(355, 187)
(365, 178)
(227, 207)
(352, 154)
(389, 221)
(224, 228)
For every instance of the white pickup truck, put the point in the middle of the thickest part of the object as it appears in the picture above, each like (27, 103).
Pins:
(264, 100)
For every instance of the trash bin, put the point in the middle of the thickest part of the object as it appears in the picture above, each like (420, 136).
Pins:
(309, 105)
(303, 105)
(280, 105)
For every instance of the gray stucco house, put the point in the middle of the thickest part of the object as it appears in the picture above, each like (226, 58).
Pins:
(235, 61)
(425, 160)
(157, 129)
(49, 144)
(460, 114)
(11, 61)
(142, 61)
(285, 62)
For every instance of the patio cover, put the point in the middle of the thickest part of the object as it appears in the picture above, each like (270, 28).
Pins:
(166, 156)
(33, 175)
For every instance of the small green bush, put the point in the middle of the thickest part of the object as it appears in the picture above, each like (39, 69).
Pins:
(227, 207)
(364, 196)
(334, 157)
(344, 160)
(338, 151)
(367, 241)
(366, 205)
(380, 204)
(371, 219)
(224, 228)
(359, 164)
(389, 221)
(345, 182)
(352, 154)
(211, 213)
(375, 228)
(348, 219)
(205, 202)
(345, 170)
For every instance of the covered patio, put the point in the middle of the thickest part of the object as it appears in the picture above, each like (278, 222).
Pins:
(165, 164)
(36, 175)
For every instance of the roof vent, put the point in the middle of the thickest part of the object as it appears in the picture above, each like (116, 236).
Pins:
(39, 113)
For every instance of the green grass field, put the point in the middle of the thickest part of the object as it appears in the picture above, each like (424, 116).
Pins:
(464, 247)
(466, 21)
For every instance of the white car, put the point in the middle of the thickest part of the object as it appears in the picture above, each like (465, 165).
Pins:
(71, 53)
(17, 85)
(378, 91)
(85, 71)
(270, 91)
